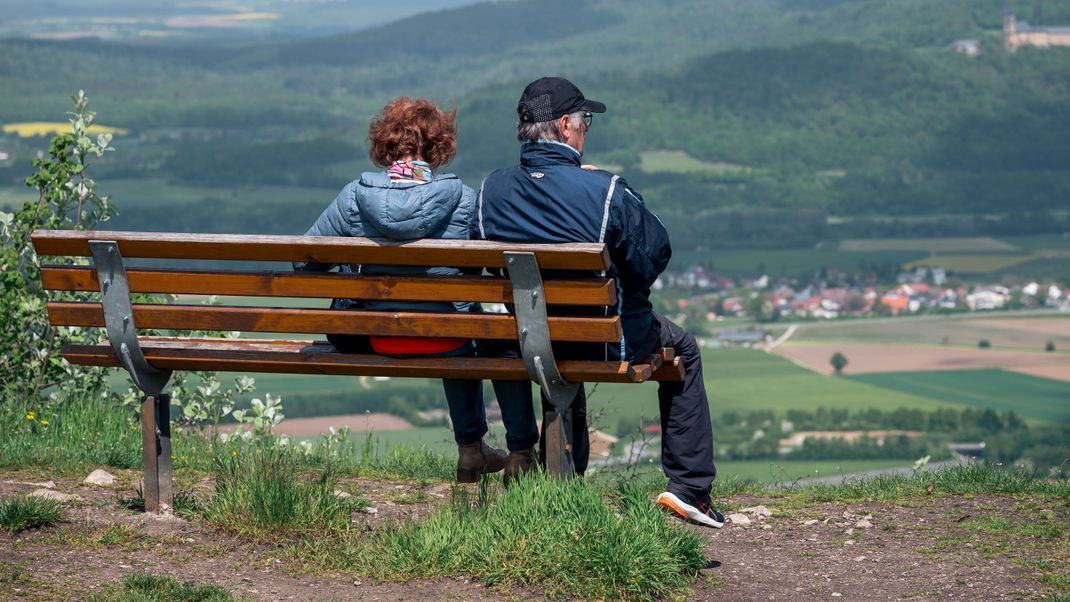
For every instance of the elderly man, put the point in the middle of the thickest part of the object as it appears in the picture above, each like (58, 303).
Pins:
(551, 198)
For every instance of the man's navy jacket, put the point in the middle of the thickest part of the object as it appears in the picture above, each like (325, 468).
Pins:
(549, 198)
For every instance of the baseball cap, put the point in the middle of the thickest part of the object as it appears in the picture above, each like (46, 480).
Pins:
(548, 98)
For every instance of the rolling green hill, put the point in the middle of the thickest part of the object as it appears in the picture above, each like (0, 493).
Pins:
(838, 119)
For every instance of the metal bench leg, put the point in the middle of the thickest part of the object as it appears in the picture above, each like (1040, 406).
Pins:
(156, 450)
(529, 306)
(558, 445)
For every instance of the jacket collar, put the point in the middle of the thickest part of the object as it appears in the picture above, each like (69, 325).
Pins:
(539, 154)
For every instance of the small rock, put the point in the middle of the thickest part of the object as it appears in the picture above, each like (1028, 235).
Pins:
(850, 531)
(357, 583)
(849, 542)
(836, 594)
(739, 519)
(341, 494)
(370, 510)
(859, 558)
(100, 477)
(767, 527)
(757, 511)
(812, 521)
(46, 484)
(863, 524)
(50, 494)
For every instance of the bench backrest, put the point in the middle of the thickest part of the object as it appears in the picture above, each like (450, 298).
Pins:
(593, 291)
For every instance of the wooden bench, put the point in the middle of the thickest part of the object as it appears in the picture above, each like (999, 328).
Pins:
(535, 322)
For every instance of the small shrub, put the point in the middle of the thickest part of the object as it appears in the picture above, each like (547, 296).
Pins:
(142, 587)
(21, 513)
(838, 361)
(984, 344)
(1049, 346)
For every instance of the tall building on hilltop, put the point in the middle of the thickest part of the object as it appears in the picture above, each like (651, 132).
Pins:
(1016, 35)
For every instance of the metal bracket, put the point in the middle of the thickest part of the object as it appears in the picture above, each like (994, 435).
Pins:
(534, 331)
(119, 318)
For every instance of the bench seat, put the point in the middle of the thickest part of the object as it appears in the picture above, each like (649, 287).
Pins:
(320, 357)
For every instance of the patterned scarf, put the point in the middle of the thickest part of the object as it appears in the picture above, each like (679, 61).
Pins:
(416, 171)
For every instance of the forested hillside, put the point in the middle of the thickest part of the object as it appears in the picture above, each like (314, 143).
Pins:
(766, 123)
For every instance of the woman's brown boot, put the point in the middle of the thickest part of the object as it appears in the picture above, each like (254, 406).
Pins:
(474, 459)
(518, 463)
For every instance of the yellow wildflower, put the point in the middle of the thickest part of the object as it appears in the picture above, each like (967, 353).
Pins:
(233, 453)
(44, 423)
(30, 415)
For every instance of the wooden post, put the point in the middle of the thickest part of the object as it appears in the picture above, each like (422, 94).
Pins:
(558, 452)
(156, 451)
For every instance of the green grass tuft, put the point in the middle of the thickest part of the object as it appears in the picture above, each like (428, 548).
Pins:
(21, 513)
(262, 491)
(561, 537)
(142, 587)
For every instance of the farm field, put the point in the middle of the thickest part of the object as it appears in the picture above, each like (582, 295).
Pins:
(677, 161)
(971, 264)
(787, 262)
(1029, 396)
(1021, 331)
(874, 358)
(929, 245)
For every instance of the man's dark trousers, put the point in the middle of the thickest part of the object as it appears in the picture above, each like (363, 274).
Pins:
(686, 429)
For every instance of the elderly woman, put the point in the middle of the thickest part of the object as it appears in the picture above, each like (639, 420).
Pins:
(409, 200)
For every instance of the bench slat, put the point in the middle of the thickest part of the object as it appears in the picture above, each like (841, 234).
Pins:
(290, 284)
(322, 249)
(297, 357)
(327, 321)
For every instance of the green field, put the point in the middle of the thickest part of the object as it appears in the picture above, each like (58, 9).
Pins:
(971, 264)
(964, 330)
(677, 161)
(787, 262)
(1029, 396)
(931, 245)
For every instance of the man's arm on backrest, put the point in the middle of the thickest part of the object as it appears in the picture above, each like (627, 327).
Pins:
(641, 248)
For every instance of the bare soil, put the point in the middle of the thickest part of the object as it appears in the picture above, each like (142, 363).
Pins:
(870, 358)
(927, 549)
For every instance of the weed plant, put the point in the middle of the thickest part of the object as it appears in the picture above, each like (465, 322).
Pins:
(142, 587)
(21, 513)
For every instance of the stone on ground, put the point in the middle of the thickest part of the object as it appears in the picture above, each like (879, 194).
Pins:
(739, 519)
(760, 511)
(49, 494)
(100, 477)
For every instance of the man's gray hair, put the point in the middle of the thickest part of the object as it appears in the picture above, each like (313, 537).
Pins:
(533, 131)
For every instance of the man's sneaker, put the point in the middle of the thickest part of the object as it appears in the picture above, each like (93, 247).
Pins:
(702, 512)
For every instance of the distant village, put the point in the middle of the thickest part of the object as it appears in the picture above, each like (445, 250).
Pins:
(923, 290)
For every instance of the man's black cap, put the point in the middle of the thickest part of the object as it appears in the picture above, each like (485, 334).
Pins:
(548, 98)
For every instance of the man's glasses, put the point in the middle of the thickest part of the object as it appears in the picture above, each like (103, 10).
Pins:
(588, 117)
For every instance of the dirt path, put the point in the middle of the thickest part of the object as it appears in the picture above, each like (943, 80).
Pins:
(980, 547)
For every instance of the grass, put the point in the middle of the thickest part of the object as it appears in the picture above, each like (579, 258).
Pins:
(262, 492)
(1029, 396)
(561, 537)
(21, 513)
(743, 380)
(143, 587)
(970, 479)
(803, 263)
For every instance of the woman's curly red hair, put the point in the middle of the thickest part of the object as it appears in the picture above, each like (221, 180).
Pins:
(415, 128)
